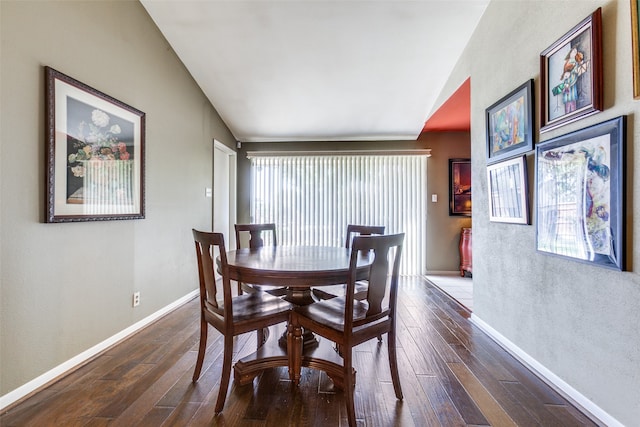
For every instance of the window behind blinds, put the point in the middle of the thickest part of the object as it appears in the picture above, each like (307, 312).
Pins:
(313, 198)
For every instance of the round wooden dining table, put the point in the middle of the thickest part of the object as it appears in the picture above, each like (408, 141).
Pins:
(298, 268)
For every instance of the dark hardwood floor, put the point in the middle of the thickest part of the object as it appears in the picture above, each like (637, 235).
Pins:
(452, 374)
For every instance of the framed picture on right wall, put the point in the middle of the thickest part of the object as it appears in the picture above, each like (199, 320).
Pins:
(508, 192)
(509, 124)
(580, 195)
(571, 75)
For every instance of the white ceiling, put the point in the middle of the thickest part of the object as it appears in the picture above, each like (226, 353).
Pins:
(319, 70)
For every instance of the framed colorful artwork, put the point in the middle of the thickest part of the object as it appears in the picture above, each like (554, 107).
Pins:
(510, 124)
(580, 196)
(635, 43)
(508, 191)
(95, 154)
(571, 75)
(460, 187)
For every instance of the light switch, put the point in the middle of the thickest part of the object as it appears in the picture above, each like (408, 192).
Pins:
(434, 198)
(208, 192)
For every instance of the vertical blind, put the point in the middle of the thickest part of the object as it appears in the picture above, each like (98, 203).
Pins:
(311, 199)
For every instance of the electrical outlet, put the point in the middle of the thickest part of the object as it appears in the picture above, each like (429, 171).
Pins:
(136, 299)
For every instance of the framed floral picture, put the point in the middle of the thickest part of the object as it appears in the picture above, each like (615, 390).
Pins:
(510, 124)
(460, 187)
(580, 195)
(571, 75)
(95, 154)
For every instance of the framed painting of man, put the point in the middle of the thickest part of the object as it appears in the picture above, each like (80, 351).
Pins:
(571, 75)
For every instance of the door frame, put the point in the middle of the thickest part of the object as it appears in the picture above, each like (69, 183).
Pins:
(223, 153)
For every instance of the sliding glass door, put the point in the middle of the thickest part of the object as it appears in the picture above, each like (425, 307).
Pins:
(313, 198)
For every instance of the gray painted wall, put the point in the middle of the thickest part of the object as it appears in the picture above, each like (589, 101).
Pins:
(579, 321)
(67, 287)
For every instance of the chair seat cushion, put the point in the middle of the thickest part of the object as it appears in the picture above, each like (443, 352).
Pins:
(249, 306)
(273, 290)
(253, 306)
(331, 312)
(329, 292)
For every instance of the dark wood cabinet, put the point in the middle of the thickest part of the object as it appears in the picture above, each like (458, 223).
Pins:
(465, 252)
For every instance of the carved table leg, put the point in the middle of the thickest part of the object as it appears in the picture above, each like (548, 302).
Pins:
(294, 344)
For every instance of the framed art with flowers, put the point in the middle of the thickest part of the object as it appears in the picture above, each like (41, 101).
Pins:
(95, 154)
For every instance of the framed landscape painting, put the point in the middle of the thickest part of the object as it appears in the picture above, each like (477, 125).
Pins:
(510, 124)
(580, 197)
(571, 75)
(460, 187)
(95, 154)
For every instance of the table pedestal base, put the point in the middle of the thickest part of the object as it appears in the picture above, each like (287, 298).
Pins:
(319, 355)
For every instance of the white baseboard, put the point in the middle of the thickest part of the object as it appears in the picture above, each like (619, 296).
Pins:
(591, 409)
(69, 365)
(443, 272)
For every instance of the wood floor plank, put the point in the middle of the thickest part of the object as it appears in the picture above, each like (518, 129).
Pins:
(298, 409)
(452, 374)
(531, 383)
(144, 403)
(185, 390)
(569, 416)
(155, 417)
(130, 394)
(268, 393)
(495, 386)
(415, 398)
(445, 409)
(181, 415)
(398, 411)
(369, 391)
(97, 422)
(420, 356)
(492, 411)
(487, 360)
(235, 406)
(329, 410)
(536, 408)
(444, 355)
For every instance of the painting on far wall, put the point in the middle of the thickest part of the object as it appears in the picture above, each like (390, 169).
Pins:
(460, 187)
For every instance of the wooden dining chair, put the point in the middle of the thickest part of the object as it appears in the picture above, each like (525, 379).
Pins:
(230, 315)
(328, 292)
(361, 230)
(257, 234)
(349, 322)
